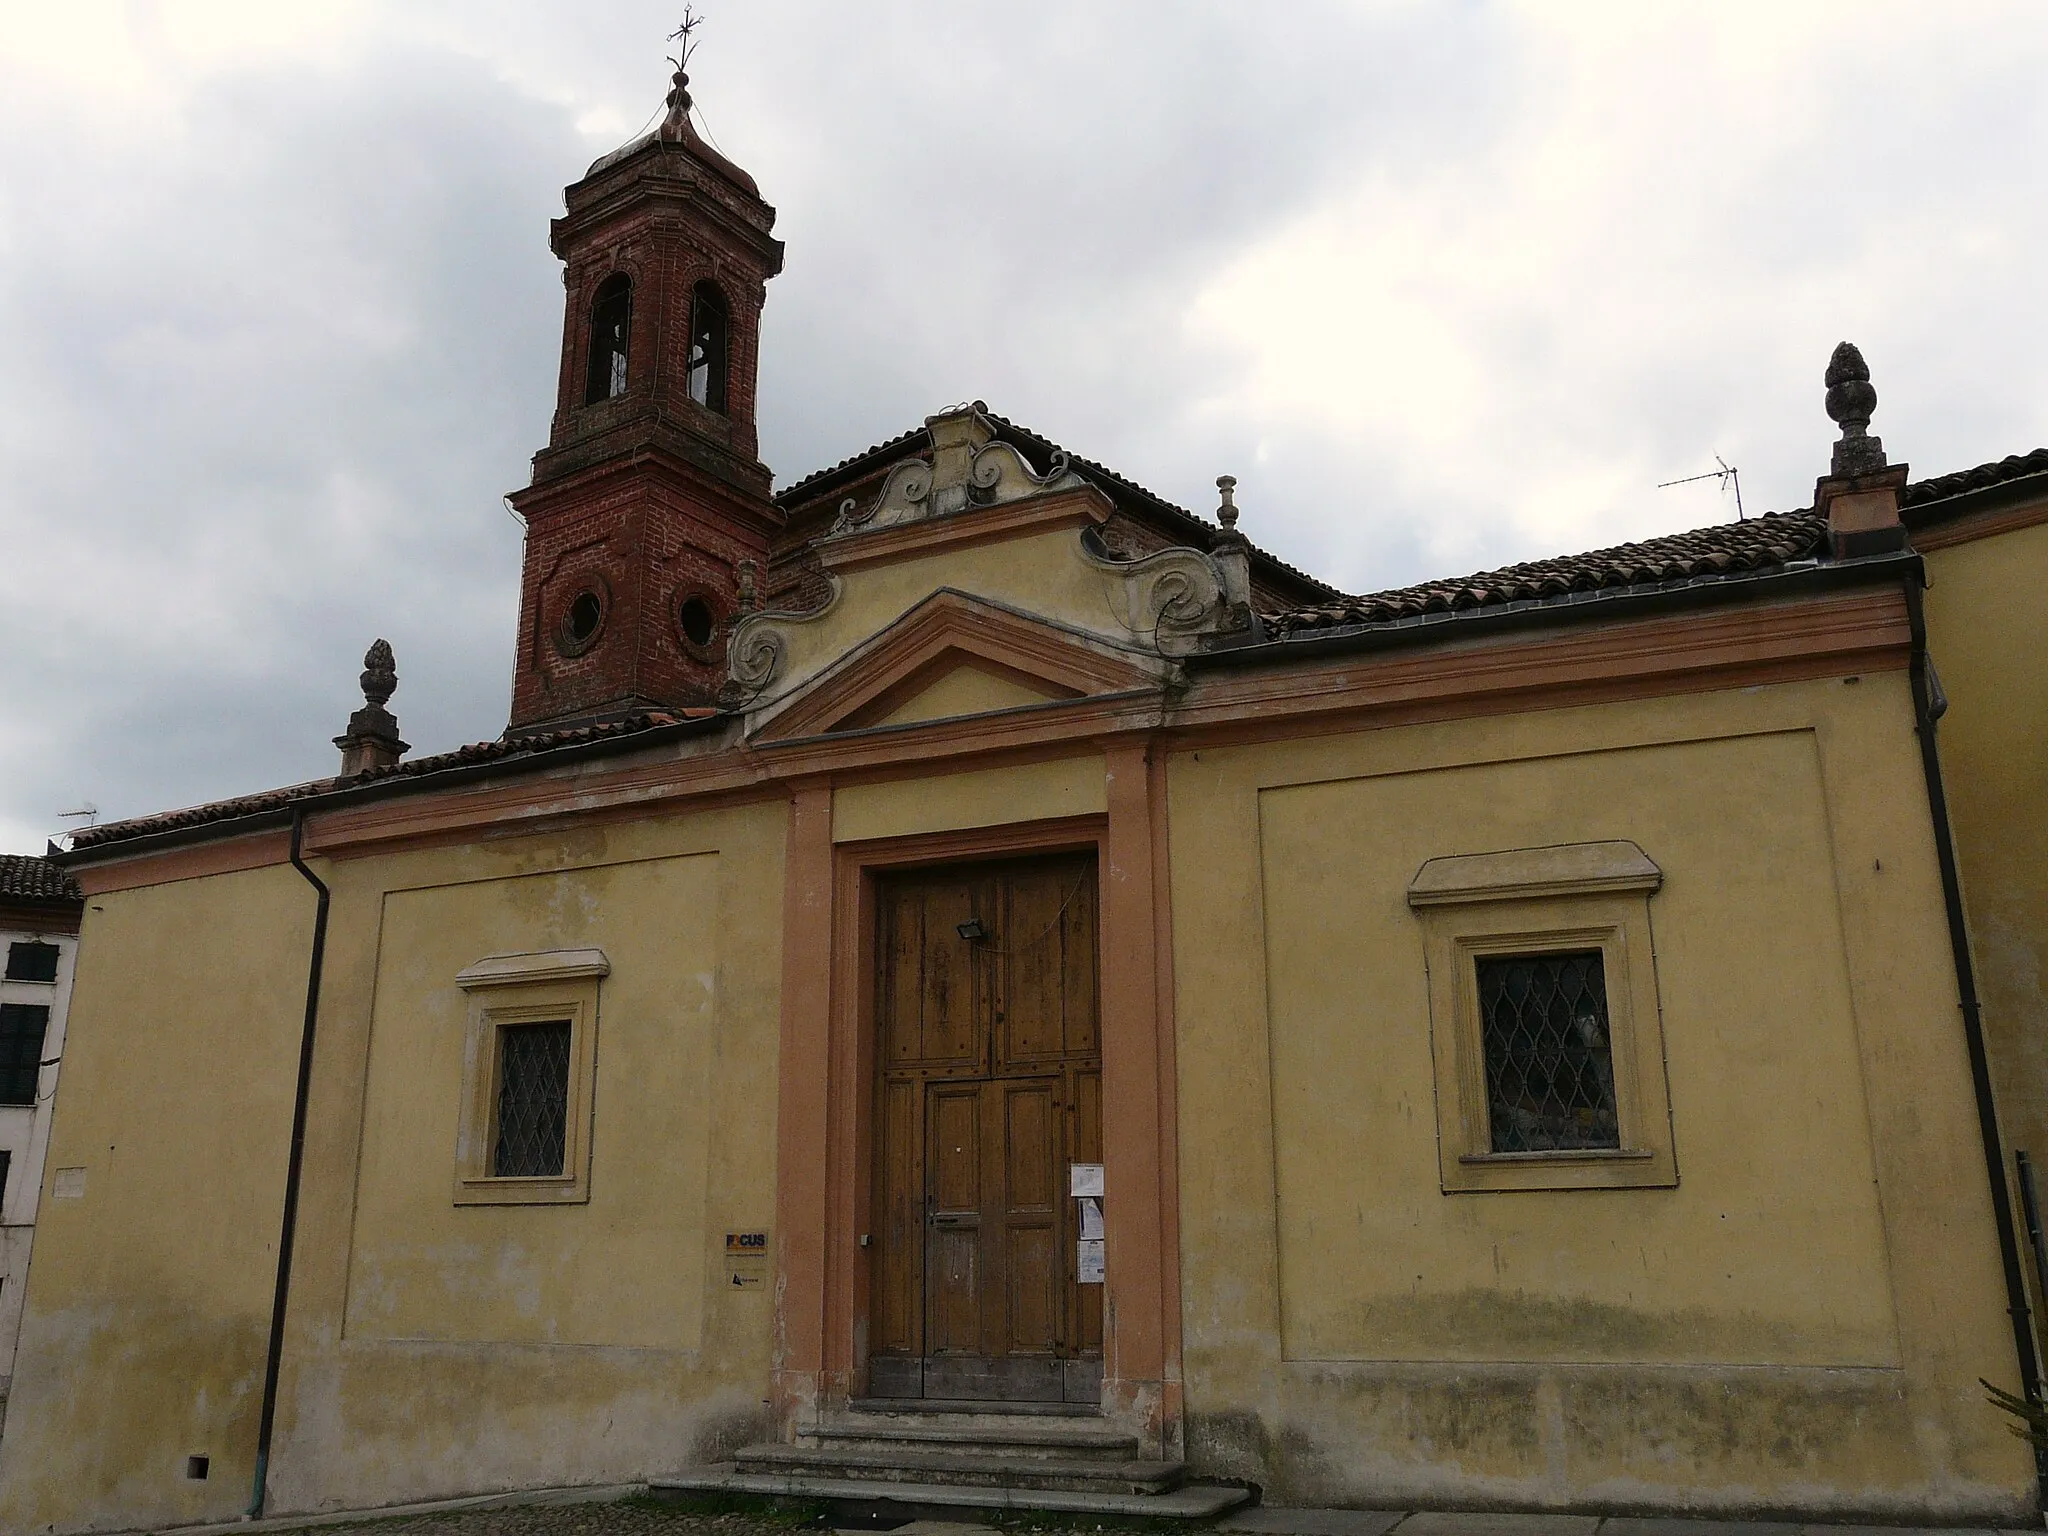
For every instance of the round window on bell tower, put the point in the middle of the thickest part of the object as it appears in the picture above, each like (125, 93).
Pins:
(696, 620)
(577, 629)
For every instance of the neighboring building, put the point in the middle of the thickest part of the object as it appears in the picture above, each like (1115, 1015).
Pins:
(40, 907)
(963, 932)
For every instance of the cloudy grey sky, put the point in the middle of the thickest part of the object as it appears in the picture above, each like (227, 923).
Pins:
(1444, 284)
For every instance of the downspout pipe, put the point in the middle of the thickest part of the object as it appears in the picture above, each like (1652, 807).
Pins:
(294, 1166)
(1928, 708)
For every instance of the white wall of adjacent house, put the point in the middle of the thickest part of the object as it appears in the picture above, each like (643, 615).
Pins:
(26, 1098)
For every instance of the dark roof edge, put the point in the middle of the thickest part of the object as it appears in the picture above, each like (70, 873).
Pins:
(390, 786)
(1995, 497)
(1538, 613)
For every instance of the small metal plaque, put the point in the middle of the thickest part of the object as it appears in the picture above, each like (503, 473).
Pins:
(746, 1261)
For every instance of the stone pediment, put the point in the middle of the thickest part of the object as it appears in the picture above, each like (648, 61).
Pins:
(971, 542)
(968, 468)
(956, 655)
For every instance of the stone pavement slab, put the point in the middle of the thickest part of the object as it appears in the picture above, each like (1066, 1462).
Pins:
(1441, 1523)
(1276, 1520)
(1659, 1526)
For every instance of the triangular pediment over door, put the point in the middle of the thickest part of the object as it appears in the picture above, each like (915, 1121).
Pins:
(956, 655)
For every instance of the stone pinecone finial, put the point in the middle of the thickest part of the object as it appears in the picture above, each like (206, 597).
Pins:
(371, 740)
(380, 674)
(1851, 400)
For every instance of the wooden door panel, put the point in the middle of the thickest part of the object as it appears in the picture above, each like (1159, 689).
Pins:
(955, 984)
(988, 1085)
(1034, 1003)
(1081, 1004)
(896, 1297)
(1047, 1007)
(954, 1153)
(1033, 1274)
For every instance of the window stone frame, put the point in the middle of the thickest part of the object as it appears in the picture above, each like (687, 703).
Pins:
(1536, 901)
(506, 990)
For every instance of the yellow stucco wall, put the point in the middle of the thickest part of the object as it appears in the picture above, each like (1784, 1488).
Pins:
(148, 1305)
(1988, 632)
(1067, 786)
(436, 1348)
(432, 1348)
(1799, 1322)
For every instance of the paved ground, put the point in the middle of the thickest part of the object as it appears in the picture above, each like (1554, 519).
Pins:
(610, 1515)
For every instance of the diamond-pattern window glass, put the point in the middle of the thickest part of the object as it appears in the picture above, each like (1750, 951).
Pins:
(21, 1050)
(533, 1100)
(1549, 1066)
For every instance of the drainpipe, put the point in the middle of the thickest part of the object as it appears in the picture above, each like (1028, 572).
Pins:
(275, 1358)
(1928, 707)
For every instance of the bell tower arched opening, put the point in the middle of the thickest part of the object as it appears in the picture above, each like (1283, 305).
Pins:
(611, 339)
(710, 346)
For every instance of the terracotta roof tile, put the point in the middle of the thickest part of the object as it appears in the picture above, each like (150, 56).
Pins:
(1729, 549)
(477, 752)
(24, 877)
(2013, 467)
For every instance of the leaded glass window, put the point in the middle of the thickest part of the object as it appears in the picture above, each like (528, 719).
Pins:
(1549, 1062)
(533, 1100)
(21, 1050)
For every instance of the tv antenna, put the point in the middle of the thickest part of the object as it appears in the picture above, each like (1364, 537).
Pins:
(89, 811)
(1727, 474)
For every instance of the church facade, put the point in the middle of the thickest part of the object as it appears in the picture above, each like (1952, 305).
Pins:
(962, 933)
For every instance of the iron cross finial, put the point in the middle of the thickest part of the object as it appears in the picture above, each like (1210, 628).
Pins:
(685, 35)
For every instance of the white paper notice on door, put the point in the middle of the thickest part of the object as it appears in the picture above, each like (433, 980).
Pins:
(1091, 1219)
(1088, 1261)
(1084, 1180)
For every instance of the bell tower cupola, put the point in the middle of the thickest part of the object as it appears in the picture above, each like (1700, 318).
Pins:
(650, 494)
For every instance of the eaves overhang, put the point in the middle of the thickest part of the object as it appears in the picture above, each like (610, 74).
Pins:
(1794, 579)
(390, 787)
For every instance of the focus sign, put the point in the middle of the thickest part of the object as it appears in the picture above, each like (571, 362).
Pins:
(746, 1261)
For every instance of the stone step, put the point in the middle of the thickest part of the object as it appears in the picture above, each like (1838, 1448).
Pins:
(1190, 1501)
(966, 1466)
(918, 1406)
(1093, 1438)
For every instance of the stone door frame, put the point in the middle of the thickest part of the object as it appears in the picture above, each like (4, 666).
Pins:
(826, 1074)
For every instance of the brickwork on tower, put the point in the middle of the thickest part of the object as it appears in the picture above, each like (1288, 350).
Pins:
(648, 496)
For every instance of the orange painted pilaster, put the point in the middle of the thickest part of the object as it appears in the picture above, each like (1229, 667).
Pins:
(803, 1103)
(1136, 1163)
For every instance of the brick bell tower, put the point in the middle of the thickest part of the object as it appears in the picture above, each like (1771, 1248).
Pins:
(649, 496)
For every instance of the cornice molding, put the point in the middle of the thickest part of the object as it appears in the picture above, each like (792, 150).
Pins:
(533, 966)
(1522, 874)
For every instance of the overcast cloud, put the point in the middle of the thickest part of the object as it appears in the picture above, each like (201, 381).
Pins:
(1444, 285)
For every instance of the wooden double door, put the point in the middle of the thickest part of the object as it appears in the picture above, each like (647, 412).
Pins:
(989, 1086)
